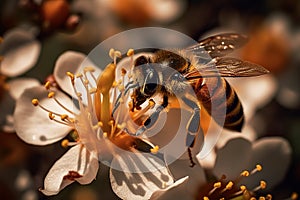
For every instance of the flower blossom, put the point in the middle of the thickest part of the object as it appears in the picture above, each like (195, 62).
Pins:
(241, 170)
(136, 171)
(19, 52)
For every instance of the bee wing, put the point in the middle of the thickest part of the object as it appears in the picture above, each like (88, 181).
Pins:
(218, 45)
(226, 67)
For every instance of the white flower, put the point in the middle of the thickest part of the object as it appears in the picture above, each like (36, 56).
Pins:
(19, 52)
(241, 169)
(96, 135)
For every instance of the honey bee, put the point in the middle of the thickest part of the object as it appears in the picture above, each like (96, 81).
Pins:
(202, 67)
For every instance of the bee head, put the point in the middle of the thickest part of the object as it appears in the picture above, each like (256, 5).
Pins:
(146, 77)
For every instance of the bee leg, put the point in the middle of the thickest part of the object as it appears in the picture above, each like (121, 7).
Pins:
(193, 126)
(128, 86)
(152, 119)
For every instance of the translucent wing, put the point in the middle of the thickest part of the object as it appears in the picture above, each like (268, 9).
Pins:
(226, 67)
(218, 45)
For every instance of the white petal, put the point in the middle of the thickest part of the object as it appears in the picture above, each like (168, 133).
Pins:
(32, 124)
(274, 154)
(17, 86)
(174, 191)
(233, 158)
(73, 62)
(181, 168)
(82, 164)
(20, 50)
(140, 185)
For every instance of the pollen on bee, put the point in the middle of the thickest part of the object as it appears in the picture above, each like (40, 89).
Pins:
(155, 149)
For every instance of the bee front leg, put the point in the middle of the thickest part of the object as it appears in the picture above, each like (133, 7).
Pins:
(152, 119)
(128, 86)
(193, 126)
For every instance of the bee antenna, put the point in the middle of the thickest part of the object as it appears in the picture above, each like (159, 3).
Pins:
(191, 157)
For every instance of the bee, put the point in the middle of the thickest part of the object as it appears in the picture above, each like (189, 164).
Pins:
(202, 67)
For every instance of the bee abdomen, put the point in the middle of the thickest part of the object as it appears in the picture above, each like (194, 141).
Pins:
(221, 102)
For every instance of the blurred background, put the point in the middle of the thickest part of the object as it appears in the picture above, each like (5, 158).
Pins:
(80, 25)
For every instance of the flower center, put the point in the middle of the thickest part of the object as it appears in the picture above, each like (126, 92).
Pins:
(104, 108)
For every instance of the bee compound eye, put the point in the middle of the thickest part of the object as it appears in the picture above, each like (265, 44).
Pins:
(142, 60)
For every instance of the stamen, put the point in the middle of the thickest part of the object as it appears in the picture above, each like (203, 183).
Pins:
(48, 85)
(66, 143)
(258, 168)
(35, 102)
(262, 185)
(228, 187)
(72, 77)
(216, 186)
(130, 52)
(269, 197)
(205, 198)
(245, 173)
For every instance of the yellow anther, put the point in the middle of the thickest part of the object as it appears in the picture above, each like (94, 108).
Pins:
(229, 185)
(65, 143)
(64, 117)
(222, 198)
(269, 197)
(155, 149)
(123, 71)
(89, 69)
(121, 87)
(48, 85)
(243, 188)
(205, 198)
(78, 75)
(252, 198)
(130, 52)
(105, 134)
(100, 124)
(115, 83)
(71, 75)
(245, 173)
(262, 198)
(263, 184)
(258, 167)
(118, 54)
(217, 185)
(92, 90)
(35, 102)
(121, 126)
(111, 53)
(294, 196)
(79, 94)
(51, 116)
(51, 94)
(111, 122)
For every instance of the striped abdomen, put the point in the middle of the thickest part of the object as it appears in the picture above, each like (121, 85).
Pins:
(220, 101)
